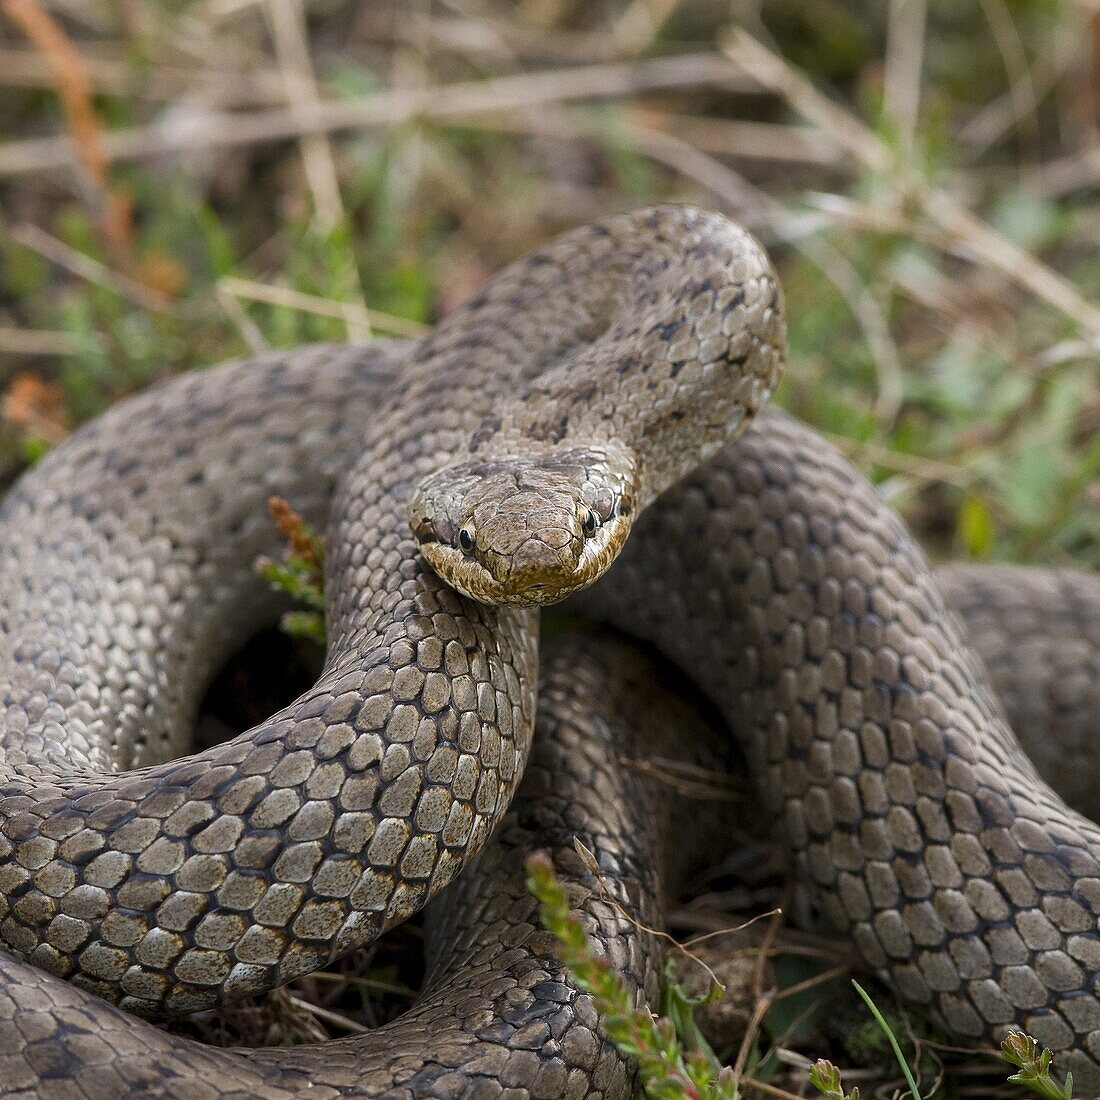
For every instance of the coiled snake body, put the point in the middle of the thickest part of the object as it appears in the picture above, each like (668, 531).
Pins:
(773, 575)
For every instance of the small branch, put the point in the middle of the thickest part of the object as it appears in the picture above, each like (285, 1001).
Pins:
(983, 243)
(85, 267)
(322, 307)
(26, 341)
(904, 61)
(218, 130)
(292, 49)
(746, 140)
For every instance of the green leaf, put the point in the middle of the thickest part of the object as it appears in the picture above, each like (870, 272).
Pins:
(880, 1020)
(975, 527)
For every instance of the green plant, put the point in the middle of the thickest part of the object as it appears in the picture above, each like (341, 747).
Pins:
(825, 1077)
(666, 1071)
(300, 575)
(888, 1031)
(1022, 1051)
(675, 1062)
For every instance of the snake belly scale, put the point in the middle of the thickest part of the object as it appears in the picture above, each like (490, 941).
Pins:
(774, 576)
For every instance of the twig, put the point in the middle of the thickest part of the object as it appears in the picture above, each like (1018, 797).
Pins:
(25, 341)
(219, 130)
(904, 61)
(292, 50)
(748, 140)
(982, 242)
(330, 1017)
(322, 307)
(85, 267)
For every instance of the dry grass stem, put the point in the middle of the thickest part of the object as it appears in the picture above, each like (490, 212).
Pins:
(250, 332)
(1077, 171)
(345, 1023)
(74, 89)
(635, 29)
(296, 67)
(593, 867)
(287, 21)
(26, 341)
(767, 141)
(1021, 88)
(972, 236)
(904, 61)
(219, 130)
(769, 1090)
(689, 780)
(812, 983)
(110, 73)
(322, 307)
(85, 267)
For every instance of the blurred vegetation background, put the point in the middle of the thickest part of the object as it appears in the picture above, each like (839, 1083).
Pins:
(183, 182)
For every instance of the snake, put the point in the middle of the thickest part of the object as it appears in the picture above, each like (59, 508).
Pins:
(593, 390)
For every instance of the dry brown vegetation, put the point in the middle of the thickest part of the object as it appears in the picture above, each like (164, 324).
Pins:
(184, 182)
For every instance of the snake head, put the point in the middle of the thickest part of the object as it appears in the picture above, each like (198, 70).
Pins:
(526, 530)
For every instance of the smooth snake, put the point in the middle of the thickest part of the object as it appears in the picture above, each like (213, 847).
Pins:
(773, 575)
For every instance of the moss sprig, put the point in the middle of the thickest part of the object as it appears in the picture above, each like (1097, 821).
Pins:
(300, 574)
(666, 1071)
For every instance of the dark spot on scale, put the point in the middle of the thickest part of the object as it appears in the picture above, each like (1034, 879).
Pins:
(666, 330)
(490, 426)
(737, 300)
(585, 390)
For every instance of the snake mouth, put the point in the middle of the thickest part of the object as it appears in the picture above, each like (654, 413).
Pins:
(494, 578)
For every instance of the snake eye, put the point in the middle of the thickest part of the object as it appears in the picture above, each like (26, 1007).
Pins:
(590, 523)
(466, 540)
